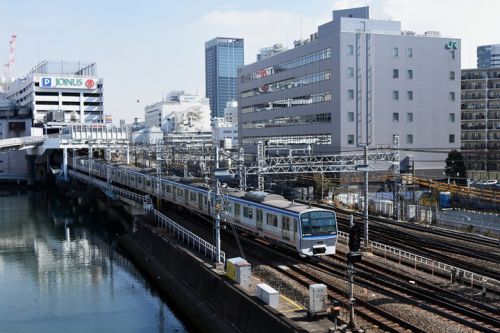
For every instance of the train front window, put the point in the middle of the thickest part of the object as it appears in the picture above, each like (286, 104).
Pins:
(318, 223)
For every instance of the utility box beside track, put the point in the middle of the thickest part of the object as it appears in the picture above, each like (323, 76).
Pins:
(318, 299)
(239, 270)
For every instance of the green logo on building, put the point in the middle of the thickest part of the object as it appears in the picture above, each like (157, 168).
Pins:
(451, 45)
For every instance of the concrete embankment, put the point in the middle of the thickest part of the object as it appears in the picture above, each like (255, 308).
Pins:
(207, 299)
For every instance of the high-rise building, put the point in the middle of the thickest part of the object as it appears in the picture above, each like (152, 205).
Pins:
(356, 81)
(60, 91)
(488, 56)
(481, 119)
(223, 57)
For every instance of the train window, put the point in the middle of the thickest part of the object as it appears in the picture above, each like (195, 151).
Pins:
(162, 188)
(205, 200)
(148, 182)
(192, 196)
(180, 192)
(236, 209)
(318, 223)
(285, 223)
(295, 225)
(168, 188)
(272, 220)
(228, 207)
(258, 215)
(248, 212)
(139, 180)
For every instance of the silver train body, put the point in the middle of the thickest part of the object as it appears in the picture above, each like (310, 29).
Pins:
(310, 231)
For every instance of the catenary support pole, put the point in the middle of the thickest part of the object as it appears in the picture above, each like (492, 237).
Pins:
(65, 163)
(365, 206)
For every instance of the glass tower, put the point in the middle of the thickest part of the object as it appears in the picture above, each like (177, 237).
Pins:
(488, 56)
(223, 57)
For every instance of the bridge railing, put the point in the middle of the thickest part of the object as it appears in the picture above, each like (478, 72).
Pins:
(434, 266)
(194, 241)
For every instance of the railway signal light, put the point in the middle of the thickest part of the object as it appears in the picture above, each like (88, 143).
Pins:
(354, 254)
(354, 238)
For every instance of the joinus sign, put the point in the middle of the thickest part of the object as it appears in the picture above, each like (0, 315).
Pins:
(68, 82)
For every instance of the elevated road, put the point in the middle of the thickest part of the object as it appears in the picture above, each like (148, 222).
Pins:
(24, 142)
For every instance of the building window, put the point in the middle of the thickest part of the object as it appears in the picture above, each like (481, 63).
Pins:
(452, 75)
(350, 49)
(395, 52)
(350, 72)
(409, 74)
(350, 94)
(409, 95)
(452, 54)
(395, 95)
(409, 139)
(350, 117)
(350, 139)
(451, 117)
(451, 138)
(452, 95)
(395, 73)
(395, 117)
(409, 117)
(409, 52)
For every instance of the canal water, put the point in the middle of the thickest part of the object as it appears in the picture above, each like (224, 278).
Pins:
(59, 272)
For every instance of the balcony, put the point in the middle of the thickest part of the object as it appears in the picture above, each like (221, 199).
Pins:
(474, 86)
(474, 76)
(473, 106)
(473, 97)
(472, 116)
(467, 127)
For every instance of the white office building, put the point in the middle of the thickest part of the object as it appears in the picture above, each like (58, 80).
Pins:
(225, 130)
(179, 112)
(60, 91)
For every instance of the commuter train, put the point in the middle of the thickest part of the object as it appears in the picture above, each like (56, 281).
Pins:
(310, 231)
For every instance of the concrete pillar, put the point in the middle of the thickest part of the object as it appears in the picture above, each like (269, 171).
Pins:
(30, 160)
(65, 163)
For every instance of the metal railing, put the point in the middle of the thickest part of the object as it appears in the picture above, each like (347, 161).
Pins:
(430, 264)
(197, 243)
(194, 241)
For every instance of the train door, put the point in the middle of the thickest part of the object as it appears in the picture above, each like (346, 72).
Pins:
(200, 201)
(295, 230)
(259, 219)
(285, 227)
(186, 196)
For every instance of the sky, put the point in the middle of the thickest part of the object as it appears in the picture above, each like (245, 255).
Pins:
(144, 49)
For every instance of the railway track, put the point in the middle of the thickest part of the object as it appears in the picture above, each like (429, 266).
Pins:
(434, 299)
(424, 296)
(476, 318)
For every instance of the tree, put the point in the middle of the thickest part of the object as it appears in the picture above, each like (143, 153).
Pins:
(455, 166)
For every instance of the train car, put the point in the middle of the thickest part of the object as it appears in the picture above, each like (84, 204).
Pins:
(310, 231)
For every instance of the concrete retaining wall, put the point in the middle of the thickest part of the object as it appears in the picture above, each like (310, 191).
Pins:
(198, 291)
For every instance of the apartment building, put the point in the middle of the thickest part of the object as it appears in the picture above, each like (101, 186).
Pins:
(481, 119)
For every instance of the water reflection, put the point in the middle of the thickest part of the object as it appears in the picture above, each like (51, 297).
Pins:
(58, 272)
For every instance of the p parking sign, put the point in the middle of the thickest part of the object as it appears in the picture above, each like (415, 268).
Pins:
(46, 82)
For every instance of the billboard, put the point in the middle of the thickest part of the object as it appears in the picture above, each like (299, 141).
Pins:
(67, 82)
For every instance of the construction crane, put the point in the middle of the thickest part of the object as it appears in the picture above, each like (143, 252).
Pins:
(9, 66)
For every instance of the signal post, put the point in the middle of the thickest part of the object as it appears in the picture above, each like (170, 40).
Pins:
(354, 256)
